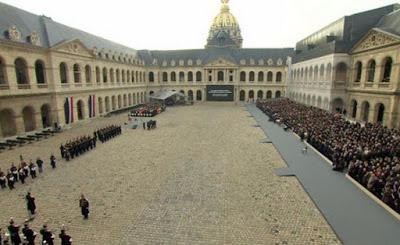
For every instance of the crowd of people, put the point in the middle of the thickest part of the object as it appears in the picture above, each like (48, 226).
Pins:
(76, 147)
(148, 110)
(370, 152)
(20, 173)
(15, 236)
(107, 133)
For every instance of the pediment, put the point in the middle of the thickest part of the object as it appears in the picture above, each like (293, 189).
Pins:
(221, 62)
(75, 47)
(375, 39)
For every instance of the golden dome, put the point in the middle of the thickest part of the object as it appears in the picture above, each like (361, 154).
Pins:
(225, 30)
(224, 18)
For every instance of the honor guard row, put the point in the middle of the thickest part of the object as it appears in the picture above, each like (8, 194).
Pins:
(107, 133)
(77, 147)
(28, 236)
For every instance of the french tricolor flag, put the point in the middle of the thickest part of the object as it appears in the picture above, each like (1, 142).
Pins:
(69, 110)
(92, 105)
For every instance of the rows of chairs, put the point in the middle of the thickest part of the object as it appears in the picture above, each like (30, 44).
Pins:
(28, 138)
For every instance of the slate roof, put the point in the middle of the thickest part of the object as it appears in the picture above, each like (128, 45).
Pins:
(50, 32)
(390, 23)
(234, 55)
(347, 30)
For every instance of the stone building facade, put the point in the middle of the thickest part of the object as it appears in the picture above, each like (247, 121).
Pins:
(352, 66)
(51, 73)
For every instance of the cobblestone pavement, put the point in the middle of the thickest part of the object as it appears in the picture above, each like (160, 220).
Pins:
(201, 177)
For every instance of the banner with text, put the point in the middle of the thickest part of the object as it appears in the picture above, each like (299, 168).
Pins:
(220, 93)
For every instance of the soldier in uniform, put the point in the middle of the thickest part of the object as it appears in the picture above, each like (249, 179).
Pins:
(14, 172)
(10, 180)
(3, 180)
(32, 169)
(21, 174)
(39, 163)
(13, 229)
(53, 161)
(47, 236)
(84, 205)
(65, 239)
(29, 234)
(30, 204)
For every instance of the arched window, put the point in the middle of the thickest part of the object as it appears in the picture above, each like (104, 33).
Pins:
(7, 123)
(371, 71)
(151, 77)
(190, 76)
(243, 76)
(63, 73)
(173, 76)
(242, 95)
(132, 76)
(123, 76)
(98, 74)
(269, 94)
(252, 76)
(21, 71)
(329, 71)
(104, 75)
(118, 75)
(221, 76)
(181, 76)
(358, 71)
(279, 77)
(387, 70)
(77, 73)
(278, 94)
(88, 74)
(354, 105)
(270, 76)
(3, 79)
(198, 76)
(315, 73)
(341, 72)
(39, 71)
(322, 72)
(165, 77)
(380, 113)
(112, 75)
(261, 76)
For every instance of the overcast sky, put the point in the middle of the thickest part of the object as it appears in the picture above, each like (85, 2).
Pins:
(184, 24)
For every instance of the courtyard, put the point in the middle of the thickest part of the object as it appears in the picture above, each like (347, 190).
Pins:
(201, 177)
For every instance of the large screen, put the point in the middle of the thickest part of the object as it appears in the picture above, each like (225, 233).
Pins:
(220, 93)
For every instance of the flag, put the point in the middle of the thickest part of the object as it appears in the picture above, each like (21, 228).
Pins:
(92, 105)
(69, 110)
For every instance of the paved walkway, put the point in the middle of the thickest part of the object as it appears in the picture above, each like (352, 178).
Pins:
(354, 216)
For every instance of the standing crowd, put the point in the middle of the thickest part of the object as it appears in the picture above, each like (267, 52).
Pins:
(21, 173)
(370, 152)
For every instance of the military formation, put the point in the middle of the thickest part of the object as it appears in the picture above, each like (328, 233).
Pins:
(15, 235)
(107, 133)
(23, 172)
(77, 147)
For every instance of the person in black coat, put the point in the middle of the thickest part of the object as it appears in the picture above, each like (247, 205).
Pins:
(30, 204)
(13, 229)
(47, 236)
(65, 239)
(10, 180)
(29, 234)
(84, 205)
(53, 161)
